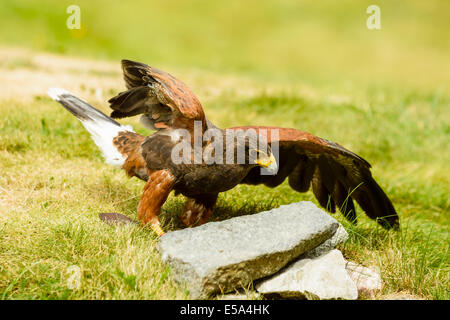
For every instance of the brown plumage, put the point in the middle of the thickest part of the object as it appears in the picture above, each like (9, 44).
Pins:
(337, 175)
(164, 101)
(129, 144)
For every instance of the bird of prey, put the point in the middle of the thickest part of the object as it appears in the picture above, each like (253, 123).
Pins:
(337, 175)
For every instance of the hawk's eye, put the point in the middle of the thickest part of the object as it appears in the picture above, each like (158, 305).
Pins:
(253, 154)
(256, 153)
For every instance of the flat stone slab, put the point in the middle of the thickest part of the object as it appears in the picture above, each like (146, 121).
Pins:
(221, 256)
(320, 278)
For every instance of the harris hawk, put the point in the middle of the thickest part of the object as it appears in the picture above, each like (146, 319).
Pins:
(338, 176)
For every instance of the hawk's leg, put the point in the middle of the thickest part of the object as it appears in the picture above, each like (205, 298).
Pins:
(156, 191)
(197, 210)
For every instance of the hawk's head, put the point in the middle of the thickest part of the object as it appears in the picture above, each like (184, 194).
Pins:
(253, 149)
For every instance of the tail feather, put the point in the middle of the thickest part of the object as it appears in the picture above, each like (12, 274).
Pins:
(102, 128)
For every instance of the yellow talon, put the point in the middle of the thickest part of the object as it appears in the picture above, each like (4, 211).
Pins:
(157, 229)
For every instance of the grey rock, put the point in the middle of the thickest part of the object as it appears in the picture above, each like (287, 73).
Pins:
(221, 256)
(320, 278)
(340, 236)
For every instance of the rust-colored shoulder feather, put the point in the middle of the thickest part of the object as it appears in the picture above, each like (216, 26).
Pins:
(129, 145)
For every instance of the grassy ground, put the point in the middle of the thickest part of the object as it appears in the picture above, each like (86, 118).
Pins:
(382, 94)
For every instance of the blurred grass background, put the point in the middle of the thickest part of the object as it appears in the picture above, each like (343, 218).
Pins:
(310, 65)
(294, 40)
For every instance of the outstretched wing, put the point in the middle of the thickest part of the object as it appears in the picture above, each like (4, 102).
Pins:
(337, 175)
(164, 101)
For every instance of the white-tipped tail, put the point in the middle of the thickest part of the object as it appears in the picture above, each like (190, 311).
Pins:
(55, 93)
(102, 128)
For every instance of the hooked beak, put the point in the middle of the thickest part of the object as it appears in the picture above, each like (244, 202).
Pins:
(269, 164)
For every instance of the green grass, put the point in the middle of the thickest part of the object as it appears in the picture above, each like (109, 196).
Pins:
(315, 67)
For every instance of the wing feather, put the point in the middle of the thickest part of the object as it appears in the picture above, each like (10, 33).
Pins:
(163, 100)
(337, 175)
(302, 174)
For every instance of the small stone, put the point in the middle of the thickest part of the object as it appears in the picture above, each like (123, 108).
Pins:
(401, 296)
(252, 295)
(319, 278)
(367, 280)
(113, 218)
(221, 256)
